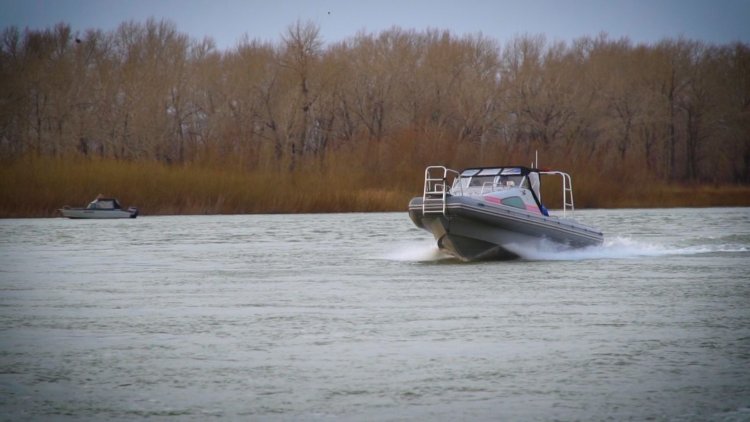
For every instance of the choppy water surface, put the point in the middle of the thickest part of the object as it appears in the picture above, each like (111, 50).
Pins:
(357, 317)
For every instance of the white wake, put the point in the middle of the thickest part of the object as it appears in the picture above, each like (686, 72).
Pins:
(616, 248)
(612, 248)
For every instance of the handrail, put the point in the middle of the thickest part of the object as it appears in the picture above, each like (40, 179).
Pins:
(435, 189)
(567, 189)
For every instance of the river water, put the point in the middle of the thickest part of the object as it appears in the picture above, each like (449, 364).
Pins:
(358, 317)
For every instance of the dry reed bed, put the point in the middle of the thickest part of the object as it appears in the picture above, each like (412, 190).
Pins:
(38, 186)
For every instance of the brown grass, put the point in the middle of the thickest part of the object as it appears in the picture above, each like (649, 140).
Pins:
(604, 193)
(38, 186)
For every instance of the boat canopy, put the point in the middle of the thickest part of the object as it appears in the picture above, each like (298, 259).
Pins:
(497, 177)
(104, 204)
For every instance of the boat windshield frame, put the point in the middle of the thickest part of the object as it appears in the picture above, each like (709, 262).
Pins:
(484, 180)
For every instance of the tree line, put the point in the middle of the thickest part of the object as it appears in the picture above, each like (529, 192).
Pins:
(675, 110)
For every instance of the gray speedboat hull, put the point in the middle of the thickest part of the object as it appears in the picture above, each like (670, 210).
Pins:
(474, 229)
(84, 213)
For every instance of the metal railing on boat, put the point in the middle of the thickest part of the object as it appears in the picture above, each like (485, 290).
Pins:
(435, 189)
(567, 189)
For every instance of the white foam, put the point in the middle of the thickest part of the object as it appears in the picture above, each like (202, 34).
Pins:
(416, 251)
(614, 248)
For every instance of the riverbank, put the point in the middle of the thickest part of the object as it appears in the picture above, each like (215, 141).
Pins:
(37, 187)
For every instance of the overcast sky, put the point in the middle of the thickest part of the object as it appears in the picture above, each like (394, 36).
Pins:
(226, 21)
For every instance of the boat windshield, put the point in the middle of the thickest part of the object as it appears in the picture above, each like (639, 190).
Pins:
(473, 181)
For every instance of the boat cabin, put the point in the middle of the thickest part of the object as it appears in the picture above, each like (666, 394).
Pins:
(517, 187)
(104, 204)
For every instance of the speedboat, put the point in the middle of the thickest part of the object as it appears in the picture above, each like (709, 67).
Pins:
(493, 212)
(100, 207)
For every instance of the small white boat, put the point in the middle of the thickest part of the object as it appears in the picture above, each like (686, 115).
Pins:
(487, 212)
(100, 207)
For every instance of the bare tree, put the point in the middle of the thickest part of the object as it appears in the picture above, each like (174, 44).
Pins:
(147, 91)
